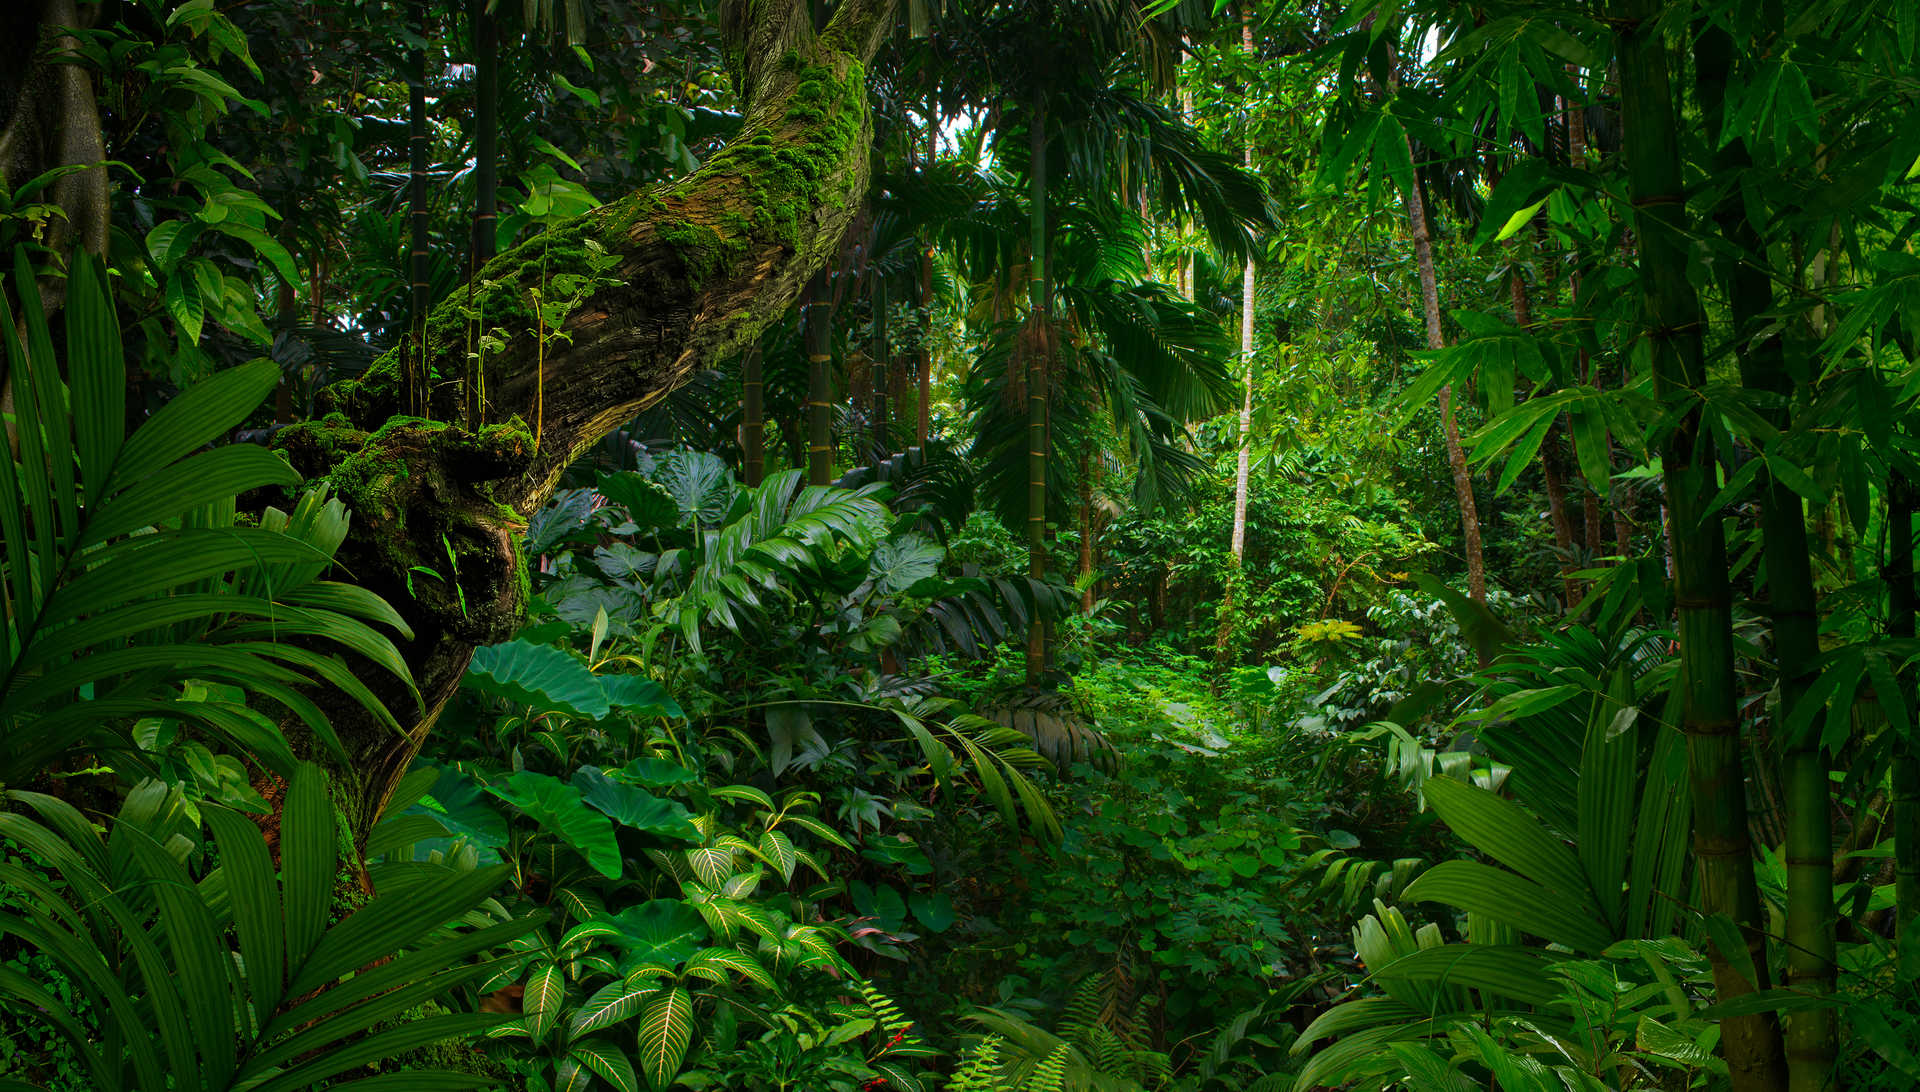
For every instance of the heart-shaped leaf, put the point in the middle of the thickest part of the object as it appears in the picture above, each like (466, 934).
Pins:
(634, 807)
(559, 809)
(549, 679)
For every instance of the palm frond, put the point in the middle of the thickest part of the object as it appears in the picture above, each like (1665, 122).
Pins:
(126, 574)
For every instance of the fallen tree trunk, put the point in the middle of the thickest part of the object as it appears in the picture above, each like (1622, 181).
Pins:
(591, 322)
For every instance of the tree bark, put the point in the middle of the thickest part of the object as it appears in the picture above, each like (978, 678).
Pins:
(924, 427)
(879, 357)
(666, 281)
(1242, 461)
(1672, 319)
(1038, 350)
(753, 418)
(1436, 339)
(1086, 532)
(486, 137)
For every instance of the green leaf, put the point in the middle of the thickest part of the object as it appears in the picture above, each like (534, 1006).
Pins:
(900, 563)
(655, 773)
(546, 678)
(610, 1005)
(1519, 220)
(666, 1030)
(634, 807)
(933, 909)
(1505, 897)
(558, 808)
(661, 931)
(545, 993)
(640, 696)
(610, 1063)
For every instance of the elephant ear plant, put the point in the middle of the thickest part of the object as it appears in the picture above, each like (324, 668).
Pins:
(206, 968)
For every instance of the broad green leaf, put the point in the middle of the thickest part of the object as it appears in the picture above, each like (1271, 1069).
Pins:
(661, 931)
(549, 679)
(1519, 220)
(634, 807)
(558, 807)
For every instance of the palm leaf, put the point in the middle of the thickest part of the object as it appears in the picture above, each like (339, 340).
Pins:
(125, 573)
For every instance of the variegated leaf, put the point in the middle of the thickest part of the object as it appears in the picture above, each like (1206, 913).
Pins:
(671, 861)
(582, 935)
(571, 1076)
(666, 1030)
(546, 992)
(777, 850)
(609, 1062)
(711, 865)
(741, 884)
(714, 964)
(609, 1005)
(818, 829)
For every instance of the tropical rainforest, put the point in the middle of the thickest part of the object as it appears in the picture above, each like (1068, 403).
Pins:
(968, 545)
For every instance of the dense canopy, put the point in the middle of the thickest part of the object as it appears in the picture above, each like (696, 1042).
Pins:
(969, 545)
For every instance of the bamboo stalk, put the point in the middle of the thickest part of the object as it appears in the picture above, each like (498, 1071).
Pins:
(1039, 350)
(1905, 816)
(1672, 319)
(753, 418)
(816, 318)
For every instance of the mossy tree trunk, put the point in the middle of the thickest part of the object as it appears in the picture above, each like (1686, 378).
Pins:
(631, 298)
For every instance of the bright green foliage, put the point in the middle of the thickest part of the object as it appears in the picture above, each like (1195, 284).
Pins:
(208, 967)
(89, 646)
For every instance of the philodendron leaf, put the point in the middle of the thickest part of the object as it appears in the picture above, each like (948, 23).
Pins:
(634, 807)
(559, 809)
(549, 679)
(650, 505)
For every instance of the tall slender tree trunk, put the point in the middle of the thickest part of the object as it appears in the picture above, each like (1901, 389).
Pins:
(1671, 322)
(1550, 452)
(417, 201)
(1243, 458)
(816, 321)
(1436, 339)
(1086, 532)
(1811, 1036)
(1906, 756)
(753, 417)
(1039, 352)
(924, 430)
(878, 355)
(486, 138)
(486, 185)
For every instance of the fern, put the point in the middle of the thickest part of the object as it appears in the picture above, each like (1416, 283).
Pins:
(1050, 1075)
(979, 1068)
